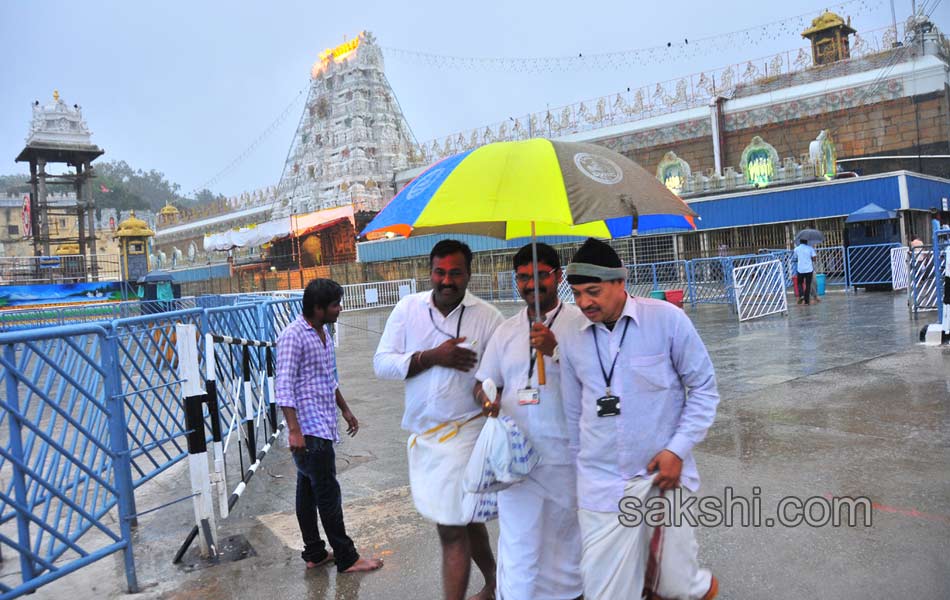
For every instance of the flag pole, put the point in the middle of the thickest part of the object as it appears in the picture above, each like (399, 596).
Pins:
(537, 300)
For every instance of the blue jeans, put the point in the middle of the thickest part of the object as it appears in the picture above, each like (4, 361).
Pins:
(318, 494)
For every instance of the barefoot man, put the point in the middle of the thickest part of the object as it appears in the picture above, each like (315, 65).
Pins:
(433, 341)
(309, 395)
(539, 541)
(639, 393)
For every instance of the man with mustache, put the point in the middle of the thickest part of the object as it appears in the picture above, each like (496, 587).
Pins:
(639, 391)
(309, 395)
(539, 542)
(432, 341)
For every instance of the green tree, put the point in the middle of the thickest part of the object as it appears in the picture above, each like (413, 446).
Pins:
(207, 197)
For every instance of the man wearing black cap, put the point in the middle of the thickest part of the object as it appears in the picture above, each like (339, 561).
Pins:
(639, 392)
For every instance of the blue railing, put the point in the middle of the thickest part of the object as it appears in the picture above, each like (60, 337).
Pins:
(39, 316)
(645, 278)
(91, 411)
(868, 264)
(941, 241)
(64, 453)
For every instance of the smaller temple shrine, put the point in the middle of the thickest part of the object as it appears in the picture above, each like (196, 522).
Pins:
(828, 35)
(58, 134)
(168, 215)
(133, 235)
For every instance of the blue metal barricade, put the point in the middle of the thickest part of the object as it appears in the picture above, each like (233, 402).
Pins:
(830, 261)
(64, 456)
(708, 281)
(148, 382)
(922, 290)
(868, 265)
(90, 413)
(941, 241)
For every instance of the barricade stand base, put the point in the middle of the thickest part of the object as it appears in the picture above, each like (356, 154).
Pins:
(933, 335)
(232, 549)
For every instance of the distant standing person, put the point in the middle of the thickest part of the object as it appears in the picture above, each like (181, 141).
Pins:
(309, 395)
(433, 341)
(806, 269)
(915, 247)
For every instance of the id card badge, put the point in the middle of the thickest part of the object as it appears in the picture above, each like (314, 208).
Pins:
(608, 406)
(529, 396)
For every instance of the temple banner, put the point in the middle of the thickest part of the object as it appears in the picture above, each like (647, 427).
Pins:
(60, 293)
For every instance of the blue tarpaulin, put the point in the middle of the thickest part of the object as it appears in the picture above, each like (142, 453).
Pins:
(870, 212)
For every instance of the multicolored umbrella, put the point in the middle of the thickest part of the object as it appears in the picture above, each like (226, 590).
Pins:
(535, 187)
(564, 188)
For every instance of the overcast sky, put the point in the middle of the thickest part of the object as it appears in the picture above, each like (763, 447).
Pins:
(185, 87)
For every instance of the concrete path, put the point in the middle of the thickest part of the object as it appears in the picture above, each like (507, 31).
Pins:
(837, 399)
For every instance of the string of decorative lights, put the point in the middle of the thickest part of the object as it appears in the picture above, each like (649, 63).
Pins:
(623, 59)
(274, 126)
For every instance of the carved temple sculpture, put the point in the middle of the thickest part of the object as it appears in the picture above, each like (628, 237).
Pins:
(759, 162)
(674, 173)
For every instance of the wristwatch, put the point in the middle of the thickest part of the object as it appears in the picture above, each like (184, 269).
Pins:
(556, 355)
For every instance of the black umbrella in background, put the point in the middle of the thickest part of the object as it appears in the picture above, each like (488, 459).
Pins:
(812, 236)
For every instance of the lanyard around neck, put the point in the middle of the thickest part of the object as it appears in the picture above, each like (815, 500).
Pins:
(533, 354)
(458, 327)
(608, 377)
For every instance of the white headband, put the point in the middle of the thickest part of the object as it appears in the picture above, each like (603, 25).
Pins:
(596, 271)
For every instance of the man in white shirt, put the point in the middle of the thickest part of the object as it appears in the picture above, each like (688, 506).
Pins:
(539, 543)
(433, 341)
(803, 255)
(639, 392)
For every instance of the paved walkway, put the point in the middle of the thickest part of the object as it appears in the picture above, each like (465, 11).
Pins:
(837, 399)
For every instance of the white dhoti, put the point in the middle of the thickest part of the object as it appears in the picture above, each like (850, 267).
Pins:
(539, 543)
(437, 460)
(615, 557)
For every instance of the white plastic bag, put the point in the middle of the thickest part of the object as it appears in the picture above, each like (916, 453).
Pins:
(501, 457)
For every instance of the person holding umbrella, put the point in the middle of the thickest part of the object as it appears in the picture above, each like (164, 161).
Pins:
(806, 269)
(639, 393)
(539, 541)
(432, 340)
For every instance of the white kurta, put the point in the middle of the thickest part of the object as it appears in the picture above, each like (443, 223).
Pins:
(438, 400)
(439, 394)
(617, 559)
(539, 544)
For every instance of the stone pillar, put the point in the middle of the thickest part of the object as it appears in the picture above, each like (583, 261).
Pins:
(718, 132)
(80, 213)
(34, 207)
(41, 237)
(91, 216)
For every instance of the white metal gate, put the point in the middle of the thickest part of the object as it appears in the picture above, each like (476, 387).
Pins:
(923, 286)
(357, 296)
(900, 275)
(760, 290)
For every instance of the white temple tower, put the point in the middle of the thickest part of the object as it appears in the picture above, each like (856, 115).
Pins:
(352, 136)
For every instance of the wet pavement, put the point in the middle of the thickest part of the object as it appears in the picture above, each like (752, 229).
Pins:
(837, 399)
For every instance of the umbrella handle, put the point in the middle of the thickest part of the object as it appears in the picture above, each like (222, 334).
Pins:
(541, 377)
